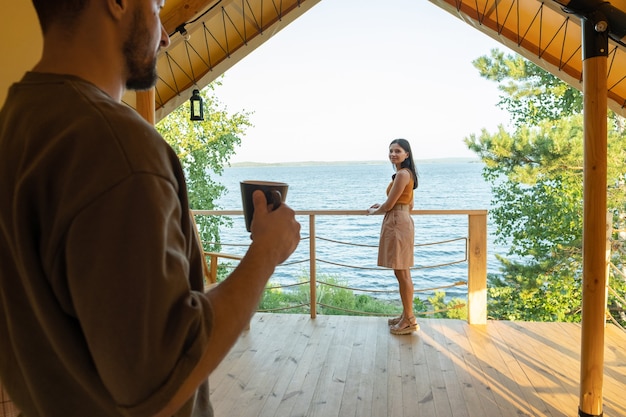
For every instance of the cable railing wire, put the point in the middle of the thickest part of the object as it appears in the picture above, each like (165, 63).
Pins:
(468, 250)
(456, 284)
(378, 268)
(375, 246)
(349, 288)
(375, 268)
(419, 313)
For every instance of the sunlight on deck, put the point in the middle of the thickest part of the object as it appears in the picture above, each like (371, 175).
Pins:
(291, 365)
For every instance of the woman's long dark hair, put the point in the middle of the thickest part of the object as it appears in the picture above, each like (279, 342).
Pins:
(407, 163)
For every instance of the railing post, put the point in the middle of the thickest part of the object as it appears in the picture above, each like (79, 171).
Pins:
(213, 272)
(312, 267)
(477, 269)
(205, 269)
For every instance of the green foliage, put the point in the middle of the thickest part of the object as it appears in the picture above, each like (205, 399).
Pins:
(204, 148)
(536, 181)
(530, 94)
(420, 307)
(333, 298)
(536, 174)
(278, 299)
(452, 309)
(340, 298)
(539, 297)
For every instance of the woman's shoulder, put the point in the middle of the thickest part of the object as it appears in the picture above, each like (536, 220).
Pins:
(404, 172)
(403, 176)
(407, 176)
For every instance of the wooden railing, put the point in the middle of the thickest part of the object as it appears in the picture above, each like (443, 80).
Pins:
(476, 250)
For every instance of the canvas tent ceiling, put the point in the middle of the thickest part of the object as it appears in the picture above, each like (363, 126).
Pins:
(545, 34)
(222, 32)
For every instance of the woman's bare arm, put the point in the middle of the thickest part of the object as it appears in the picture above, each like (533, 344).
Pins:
(402, 179)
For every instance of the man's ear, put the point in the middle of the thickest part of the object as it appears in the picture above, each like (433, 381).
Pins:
(117, 8)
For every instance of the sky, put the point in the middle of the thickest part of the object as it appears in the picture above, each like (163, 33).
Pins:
(348, 76)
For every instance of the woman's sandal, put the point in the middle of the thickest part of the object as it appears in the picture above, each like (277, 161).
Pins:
(408, 329)
(393, 321)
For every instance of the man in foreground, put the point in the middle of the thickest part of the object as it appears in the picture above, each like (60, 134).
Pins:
(101, 297)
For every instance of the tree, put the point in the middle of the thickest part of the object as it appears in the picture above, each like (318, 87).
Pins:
(530, 94)
(536, 176)
(204, 148)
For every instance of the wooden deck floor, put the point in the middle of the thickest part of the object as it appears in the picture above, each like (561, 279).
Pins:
(290, 365)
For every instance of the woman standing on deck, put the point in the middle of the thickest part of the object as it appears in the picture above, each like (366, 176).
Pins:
(395, 249)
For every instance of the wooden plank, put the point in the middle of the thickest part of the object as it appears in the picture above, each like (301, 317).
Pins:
(265, 343)
(491, 363)
(360, 380)
(510, 375)
(615, 355)
(471, 403)
(410, 373)
(614, 371)
(475, 379)
(543, 380)
(394, 378)
(538, 377)
(332, 381)
(615, 336)
(518, 366)
(298, 393)
(277, 347)
(290, 365)
(307, 402)
(381, 371)
(234, 370)
(571, 330)
(456, 401)
(370, 368)
(552, 368)
(436, 403)
(325, 395)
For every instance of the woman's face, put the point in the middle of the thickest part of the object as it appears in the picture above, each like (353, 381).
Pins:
(397, 155)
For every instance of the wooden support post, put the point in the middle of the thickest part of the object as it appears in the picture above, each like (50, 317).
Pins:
(609, 248)
(312, 267)
(595, 52)
(477, 269)
(144, 103)
(213, 272)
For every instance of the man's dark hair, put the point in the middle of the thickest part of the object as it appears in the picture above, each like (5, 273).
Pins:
(58, 11)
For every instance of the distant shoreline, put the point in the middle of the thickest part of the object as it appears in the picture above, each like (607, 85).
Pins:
(316, 163)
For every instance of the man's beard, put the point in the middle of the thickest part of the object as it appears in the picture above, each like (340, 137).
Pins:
(141, 76)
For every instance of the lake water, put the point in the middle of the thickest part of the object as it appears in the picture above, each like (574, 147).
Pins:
(442, 186)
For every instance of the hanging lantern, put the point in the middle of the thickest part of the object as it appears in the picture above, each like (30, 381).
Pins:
(197, 106)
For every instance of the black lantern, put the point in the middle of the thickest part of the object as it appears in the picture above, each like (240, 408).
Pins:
(197, 106)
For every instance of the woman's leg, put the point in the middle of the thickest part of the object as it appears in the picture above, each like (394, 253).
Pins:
(407, 323)
(406, 295)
